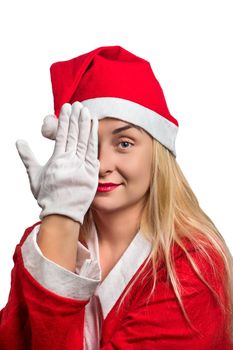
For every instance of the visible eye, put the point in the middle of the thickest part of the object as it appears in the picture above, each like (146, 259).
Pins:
(125, 144)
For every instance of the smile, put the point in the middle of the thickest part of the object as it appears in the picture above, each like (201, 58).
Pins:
(106, 188)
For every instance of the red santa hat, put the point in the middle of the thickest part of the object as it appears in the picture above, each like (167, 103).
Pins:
(114, 82)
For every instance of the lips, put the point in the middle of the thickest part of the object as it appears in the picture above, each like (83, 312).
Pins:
(107, 186)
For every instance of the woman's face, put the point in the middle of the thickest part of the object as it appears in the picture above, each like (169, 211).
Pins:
(125, 158)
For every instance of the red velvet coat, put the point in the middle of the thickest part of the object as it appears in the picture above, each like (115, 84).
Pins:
(39, 319)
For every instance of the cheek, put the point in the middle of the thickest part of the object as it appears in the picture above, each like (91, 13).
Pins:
(137, 168)
(129, 166)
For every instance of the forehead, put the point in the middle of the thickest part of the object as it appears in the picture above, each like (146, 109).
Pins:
(116, 125)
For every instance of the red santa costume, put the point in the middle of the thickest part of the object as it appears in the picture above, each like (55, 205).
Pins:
(50, 307)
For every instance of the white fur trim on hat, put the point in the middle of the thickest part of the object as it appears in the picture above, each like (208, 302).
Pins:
(156, 125)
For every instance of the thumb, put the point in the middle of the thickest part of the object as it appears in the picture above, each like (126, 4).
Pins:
(31, 164)
(29, 160)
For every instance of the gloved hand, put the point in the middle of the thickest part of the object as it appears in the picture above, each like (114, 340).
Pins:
(67, 183)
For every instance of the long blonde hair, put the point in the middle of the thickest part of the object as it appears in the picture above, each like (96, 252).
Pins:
(172, 212)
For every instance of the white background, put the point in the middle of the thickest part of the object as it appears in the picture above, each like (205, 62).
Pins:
(189, 45)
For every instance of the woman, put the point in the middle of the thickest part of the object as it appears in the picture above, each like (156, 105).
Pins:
(124, 257)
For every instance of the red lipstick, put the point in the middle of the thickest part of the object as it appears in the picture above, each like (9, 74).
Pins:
(107, 187)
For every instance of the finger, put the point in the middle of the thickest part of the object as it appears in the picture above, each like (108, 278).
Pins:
(92, 148)
(62, 131)
(49, 127)
(72, 139)
(84, 131)
(29, 160)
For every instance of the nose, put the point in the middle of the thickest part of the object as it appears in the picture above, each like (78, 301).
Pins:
(107, 161)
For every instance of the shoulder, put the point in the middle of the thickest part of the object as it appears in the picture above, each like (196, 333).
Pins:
(201, 276)
(195, 270)
(201, 323)
(202, 280)
(199, 254)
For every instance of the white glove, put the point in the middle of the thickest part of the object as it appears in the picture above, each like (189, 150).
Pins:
(67, 183)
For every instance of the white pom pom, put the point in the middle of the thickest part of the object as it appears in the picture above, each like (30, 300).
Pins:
(49, 127)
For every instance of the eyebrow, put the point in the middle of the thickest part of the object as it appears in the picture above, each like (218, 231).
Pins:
(116, 131)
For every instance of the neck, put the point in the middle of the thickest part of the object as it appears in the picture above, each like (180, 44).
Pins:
(117, 228)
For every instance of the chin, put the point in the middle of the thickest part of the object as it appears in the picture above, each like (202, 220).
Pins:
(110, 205)
(103, 207)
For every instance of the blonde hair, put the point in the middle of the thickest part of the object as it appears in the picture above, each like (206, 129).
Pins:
(172, 212)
